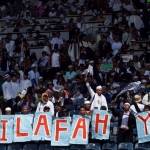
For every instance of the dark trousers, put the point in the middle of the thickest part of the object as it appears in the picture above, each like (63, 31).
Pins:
(125, 136)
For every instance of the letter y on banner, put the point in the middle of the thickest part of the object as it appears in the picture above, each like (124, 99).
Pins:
(100, 124)
(6, 128)
(143, 126)
(79, 130)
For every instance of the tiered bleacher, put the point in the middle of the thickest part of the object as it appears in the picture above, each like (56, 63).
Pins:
(60, 49)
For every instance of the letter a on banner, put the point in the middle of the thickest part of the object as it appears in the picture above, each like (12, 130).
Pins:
(42, 127)
(100, 124)
(79, 130)
(6, 128)
(61, 131)
(23, 128)
(143, 127)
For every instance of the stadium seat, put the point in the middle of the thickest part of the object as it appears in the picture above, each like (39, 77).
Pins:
(61, 148)
(30, 146)
(14, 146)
(145, 146)
(141, 149)
(93, 146)
(77, 147)
(3, 147)
(125, 146)
(43, 146)
(109, 146)
(113, 138)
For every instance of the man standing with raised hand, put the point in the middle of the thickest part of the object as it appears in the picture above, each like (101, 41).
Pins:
(98, 99)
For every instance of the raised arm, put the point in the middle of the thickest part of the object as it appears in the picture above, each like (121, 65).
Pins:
(91, 91)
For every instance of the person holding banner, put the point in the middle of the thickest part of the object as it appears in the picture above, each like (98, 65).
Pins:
(98, 99)
(45, 104)
(126, 123)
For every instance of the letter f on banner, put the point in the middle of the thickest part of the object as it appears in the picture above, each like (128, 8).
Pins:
(61, 131)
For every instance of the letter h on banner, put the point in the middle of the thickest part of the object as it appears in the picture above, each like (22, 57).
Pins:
(100, 124)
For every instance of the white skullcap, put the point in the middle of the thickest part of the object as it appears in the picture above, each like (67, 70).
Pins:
(99, 87)
(87, 102)
(127, 103)
(7, 109)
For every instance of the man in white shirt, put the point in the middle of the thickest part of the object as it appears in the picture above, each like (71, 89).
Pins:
(7, 88)
(34, 75)
(25, 83)
(98, 99)
(115, 5)
(137, 21)
(116, 46)
(44, 60)
(15, 86)
(56, 40)
(55, 59)
(10, 47)
(45, 105)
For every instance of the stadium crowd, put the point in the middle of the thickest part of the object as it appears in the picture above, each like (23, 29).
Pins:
(87, 71)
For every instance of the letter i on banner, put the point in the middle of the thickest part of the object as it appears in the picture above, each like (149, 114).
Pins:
(100, 124)
(61, 131)
(6, 128)
(143, 127)
(23, 128)
(79, 130)
(42, 127)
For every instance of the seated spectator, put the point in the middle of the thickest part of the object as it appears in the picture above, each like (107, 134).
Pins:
(70, 74)
(34, 75)
(44, 60)
(136, 20)
(25, 83)
(55, 60)
(116, 46)
(56, 39)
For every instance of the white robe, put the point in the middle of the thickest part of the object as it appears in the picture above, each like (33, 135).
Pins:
(73, 51)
